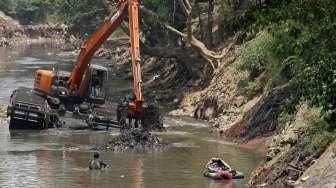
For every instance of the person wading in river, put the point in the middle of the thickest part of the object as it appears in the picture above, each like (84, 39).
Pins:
(96, 164)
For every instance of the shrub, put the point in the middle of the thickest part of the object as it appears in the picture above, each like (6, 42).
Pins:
(319, 134)
(296, 46)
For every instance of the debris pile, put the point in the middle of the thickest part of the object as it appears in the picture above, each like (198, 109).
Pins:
(130, 139)
(46, 30)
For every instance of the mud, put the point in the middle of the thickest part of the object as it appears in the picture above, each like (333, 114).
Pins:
(322, 173)
(286, 160)
(261, 119)
(287, 169)
(132, 139)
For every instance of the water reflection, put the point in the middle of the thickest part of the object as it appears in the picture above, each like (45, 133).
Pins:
(137, 173)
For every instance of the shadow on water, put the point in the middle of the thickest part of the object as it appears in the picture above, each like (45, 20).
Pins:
(59, 157)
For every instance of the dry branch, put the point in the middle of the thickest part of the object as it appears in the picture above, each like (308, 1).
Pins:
(196, 44)
(213, 58)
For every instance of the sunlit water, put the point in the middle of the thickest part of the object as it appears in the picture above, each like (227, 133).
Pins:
(59, 157)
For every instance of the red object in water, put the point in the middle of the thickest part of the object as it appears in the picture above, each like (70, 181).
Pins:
(225, 174)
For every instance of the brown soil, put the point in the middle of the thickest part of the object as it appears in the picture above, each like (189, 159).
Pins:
(261, 119)
(257, 144)
(254, 124)
(287, 159)
(286, 168)
(219, 98)
(322, 173)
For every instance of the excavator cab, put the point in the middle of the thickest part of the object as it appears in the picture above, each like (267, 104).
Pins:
(55, 84)
(97, 91)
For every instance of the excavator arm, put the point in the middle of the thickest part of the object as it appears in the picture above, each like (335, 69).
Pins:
(135, 105)
(76, 82)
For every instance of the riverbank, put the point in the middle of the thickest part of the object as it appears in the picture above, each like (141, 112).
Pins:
(14, 34)
(258, 123)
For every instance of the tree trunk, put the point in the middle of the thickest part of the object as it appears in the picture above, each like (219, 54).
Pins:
(201, 23)
(210, 23)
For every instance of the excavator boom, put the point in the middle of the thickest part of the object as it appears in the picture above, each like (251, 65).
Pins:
(77, 81)
(133, 10)
(135, 106)
(91, 45)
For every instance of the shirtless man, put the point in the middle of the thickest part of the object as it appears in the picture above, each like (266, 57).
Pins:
(96, 164)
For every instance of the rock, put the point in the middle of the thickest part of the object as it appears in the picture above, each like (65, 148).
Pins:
(207, 109)
(239, 101)
(304, 178)
(269, 157)
(263, 185)
(177, 112)
(289, 138)
(290, 183)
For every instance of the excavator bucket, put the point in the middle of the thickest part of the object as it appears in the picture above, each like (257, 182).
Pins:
(152, 117)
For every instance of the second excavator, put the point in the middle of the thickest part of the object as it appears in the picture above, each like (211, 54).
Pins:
(54, 90)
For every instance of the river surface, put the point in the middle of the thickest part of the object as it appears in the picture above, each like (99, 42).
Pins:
(59, 157)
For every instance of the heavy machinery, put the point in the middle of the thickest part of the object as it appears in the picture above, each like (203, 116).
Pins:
(85, 83)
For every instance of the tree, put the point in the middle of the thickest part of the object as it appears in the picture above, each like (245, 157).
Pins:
(83, 16)
(213, 58)
(6, 5)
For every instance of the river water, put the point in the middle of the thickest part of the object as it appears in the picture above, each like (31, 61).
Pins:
(59, 157)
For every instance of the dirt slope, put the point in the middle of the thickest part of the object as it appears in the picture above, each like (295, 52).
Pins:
(6, 21)
(322, 173)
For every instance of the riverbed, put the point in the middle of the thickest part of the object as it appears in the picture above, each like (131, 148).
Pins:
(59, 157)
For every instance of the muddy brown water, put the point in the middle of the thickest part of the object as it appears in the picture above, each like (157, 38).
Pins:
(59, 157)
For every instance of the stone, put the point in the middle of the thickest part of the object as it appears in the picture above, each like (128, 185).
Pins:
(304, 178)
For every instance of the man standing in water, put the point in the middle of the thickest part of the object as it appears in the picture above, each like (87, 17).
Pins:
(96, 164)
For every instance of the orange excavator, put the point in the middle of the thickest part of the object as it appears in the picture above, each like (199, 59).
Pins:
(85, 82)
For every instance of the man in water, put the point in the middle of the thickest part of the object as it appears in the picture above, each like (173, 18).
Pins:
(96, 164)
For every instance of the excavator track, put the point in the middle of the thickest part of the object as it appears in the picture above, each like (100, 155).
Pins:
(28, 110)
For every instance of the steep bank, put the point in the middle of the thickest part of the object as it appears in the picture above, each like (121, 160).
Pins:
(291, 144)
(322, 172)
(286, 98)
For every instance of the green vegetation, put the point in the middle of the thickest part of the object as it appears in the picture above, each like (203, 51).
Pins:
(33, 11)
(6, 5)
(295, 45)
(319, 133)
(83, 16)
(154, 32)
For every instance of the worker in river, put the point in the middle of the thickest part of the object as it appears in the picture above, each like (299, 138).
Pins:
(96, 164)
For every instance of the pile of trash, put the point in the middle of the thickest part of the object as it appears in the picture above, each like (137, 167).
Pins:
(132, 139)
(218, 169)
